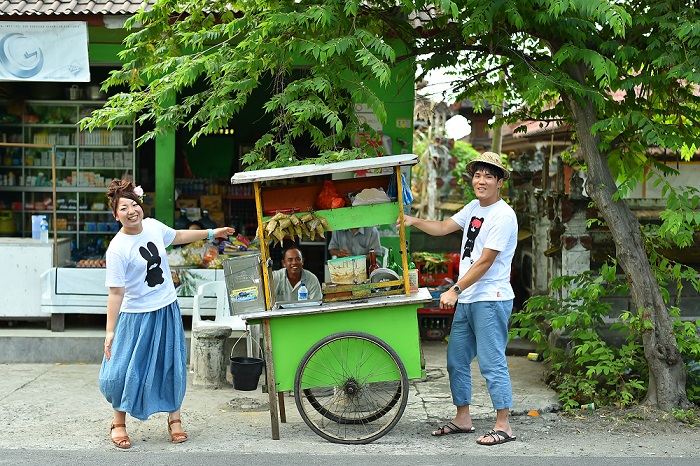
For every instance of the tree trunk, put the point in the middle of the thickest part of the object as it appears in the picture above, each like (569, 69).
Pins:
(667, 373)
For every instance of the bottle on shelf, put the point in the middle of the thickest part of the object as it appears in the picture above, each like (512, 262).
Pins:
(44, 231)
(206, 221)
(302, 293)
(182, 221)
(372, 256)
(391, 263)
(412, 273)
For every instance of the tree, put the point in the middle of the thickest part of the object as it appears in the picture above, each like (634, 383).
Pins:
(623, 73)
(322, 58)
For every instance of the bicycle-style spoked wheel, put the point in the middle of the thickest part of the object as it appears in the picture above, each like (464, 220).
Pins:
(351, 387)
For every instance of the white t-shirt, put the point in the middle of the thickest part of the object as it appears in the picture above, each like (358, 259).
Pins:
(139, 264)
(494, 227)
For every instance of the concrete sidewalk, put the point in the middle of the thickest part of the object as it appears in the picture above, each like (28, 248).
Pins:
(58, 406)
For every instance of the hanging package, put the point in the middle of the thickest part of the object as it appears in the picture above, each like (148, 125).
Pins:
(392, 189)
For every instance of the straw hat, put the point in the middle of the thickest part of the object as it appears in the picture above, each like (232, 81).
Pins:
(492, 159)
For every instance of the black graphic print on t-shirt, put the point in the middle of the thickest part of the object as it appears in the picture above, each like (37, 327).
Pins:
(154, 274)
(472, 232)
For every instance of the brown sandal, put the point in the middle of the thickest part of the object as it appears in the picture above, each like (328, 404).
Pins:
(177, 437)
(120, 442)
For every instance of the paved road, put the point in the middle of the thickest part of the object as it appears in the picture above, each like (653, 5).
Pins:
(55, 414)
(83, 458)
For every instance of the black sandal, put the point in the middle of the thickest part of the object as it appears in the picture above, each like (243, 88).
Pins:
(498, 437)
(451, 428)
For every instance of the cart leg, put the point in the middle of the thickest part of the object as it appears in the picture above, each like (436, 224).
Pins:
(271, 384)
(283, 413)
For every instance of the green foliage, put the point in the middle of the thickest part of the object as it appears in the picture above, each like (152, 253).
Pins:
(323, 58)
(465, 153)
(587, 370)
(549, 53)
(686, 416)
(590, 370)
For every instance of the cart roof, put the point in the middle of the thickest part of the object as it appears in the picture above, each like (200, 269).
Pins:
(336, 167)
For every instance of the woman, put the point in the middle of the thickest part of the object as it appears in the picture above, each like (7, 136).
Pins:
(144, 369)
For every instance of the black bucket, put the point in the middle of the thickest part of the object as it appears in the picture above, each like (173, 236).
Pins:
(246, 372)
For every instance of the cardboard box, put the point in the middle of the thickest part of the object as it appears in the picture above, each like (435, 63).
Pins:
(348, 270)
(211, 203)
(217, 217)
(186, 203)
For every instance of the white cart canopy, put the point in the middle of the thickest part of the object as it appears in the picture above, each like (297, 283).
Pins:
(313, 169)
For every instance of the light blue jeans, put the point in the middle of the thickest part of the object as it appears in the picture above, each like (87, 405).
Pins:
(480, 330)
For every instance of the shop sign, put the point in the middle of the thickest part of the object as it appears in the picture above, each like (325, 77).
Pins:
(44, 51)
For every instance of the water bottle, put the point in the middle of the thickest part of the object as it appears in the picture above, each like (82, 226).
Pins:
(182, 221)
(206, 221)
(303, 293)
(44, 231)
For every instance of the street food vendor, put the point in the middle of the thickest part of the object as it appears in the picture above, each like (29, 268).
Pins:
(289, 279)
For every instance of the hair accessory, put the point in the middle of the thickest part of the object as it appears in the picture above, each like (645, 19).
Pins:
(138, 190)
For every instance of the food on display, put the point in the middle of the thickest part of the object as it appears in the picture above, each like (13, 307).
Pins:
(282, 225)
(91, 263)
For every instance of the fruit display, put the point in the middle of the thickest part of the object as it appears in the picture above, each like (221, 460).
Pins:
(210, 255)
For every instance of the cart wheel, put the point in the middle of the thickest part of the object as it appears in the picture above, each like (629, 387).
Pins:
(351, 388)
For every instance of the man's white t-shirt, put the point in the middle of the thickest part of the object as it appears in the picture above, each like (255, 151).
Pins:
(493, 227)
(139, 264)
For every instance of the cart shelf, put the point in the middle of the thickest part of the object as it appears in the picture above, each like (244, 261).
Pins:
(358, 216)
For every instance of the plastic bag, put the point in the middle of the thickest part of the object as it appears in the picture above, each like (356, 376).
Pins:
(370, 196)
(329, 197)
(392, 189)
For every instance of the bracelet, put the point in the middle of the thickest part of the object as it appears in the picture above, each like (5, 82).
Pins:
(211, 234)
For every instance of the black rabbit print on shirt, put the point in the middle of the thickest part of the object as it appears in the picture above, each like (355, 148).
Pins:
(154, 274)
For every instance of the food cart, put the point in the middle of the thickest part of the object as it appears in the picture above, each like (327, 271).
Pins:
(347, 362)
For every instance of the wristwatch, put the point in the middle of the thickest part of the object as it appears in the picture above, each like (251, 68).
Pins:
(457, 289)
(211, 234)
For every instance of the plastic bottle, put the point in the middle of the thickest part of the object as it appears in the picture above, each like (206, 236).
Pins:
(182, 221)
(206, 221)
(303, 293)
(412, 273)
(44, 231)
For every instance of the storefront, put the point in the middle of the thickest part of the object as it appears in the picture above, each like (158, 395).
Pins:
(174, 174)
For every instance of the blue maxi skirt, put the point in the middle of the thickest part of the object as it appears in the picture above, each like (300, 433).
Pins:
(148, 370)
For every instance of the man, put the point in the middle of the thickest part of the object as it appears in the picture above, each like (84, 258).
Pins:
(354, 242)
(482, 297)
(288, 279)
